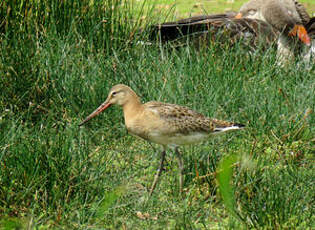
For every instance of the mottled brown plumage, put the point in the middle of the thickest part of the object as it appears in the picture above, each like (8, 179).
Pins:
(184, 120)
(169, 125)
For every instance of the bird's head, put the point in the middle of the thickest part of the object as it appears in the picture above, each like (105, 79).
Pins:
(250, 9)
(119, 94)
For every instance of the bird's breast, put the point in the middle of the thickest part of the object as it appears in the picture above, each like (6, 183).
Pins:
(142, 127)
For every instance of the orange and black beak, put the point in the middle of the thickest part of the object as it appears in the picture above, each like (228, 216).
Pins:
(300, 31)
(100, 109)
(238, 16)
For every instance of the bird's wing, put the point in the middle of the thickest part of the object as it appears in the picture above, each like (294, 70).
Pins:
(302, 12)
(181, 119)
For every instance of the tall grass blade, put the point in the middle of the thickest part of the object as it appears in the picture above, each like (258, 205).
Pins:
(224, 178)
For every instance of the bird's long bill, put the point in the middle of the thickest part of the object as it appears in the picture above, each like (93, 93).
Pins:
(238, 16)
(100, 109)
(300, 31)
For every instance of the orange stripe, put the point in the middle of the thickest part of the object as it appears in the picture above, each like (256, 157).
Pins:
(300, 31)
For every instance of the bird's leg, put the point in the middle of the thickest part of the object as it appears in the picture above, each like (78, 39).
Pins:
(159, 171)
(154, 149)
(181, 168)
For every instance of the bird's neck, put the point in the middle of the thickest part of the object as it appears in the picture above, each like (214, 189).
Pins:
(132, 107)
(276, 13)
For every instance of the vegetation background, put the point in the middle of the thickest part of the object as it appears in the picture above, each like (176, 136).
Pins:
(186, 8)
(58, 59)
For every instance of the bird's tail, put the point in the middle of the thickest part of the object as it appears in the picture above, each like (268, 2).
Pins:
(231, 126)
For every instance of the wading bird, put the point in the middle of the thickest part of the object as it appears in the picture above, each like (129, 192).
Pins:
(165, 124)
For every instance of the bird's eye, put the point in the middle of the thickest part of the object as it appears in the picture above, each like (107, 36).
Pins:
(114, 93)
(251, 12)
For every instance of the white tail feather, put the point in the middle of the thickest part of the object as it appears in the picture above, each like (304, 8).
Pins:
(224, 129)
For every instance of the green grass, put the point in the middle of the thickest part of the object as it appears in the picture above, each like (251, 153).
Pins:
(186, 8)
(54, 174)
